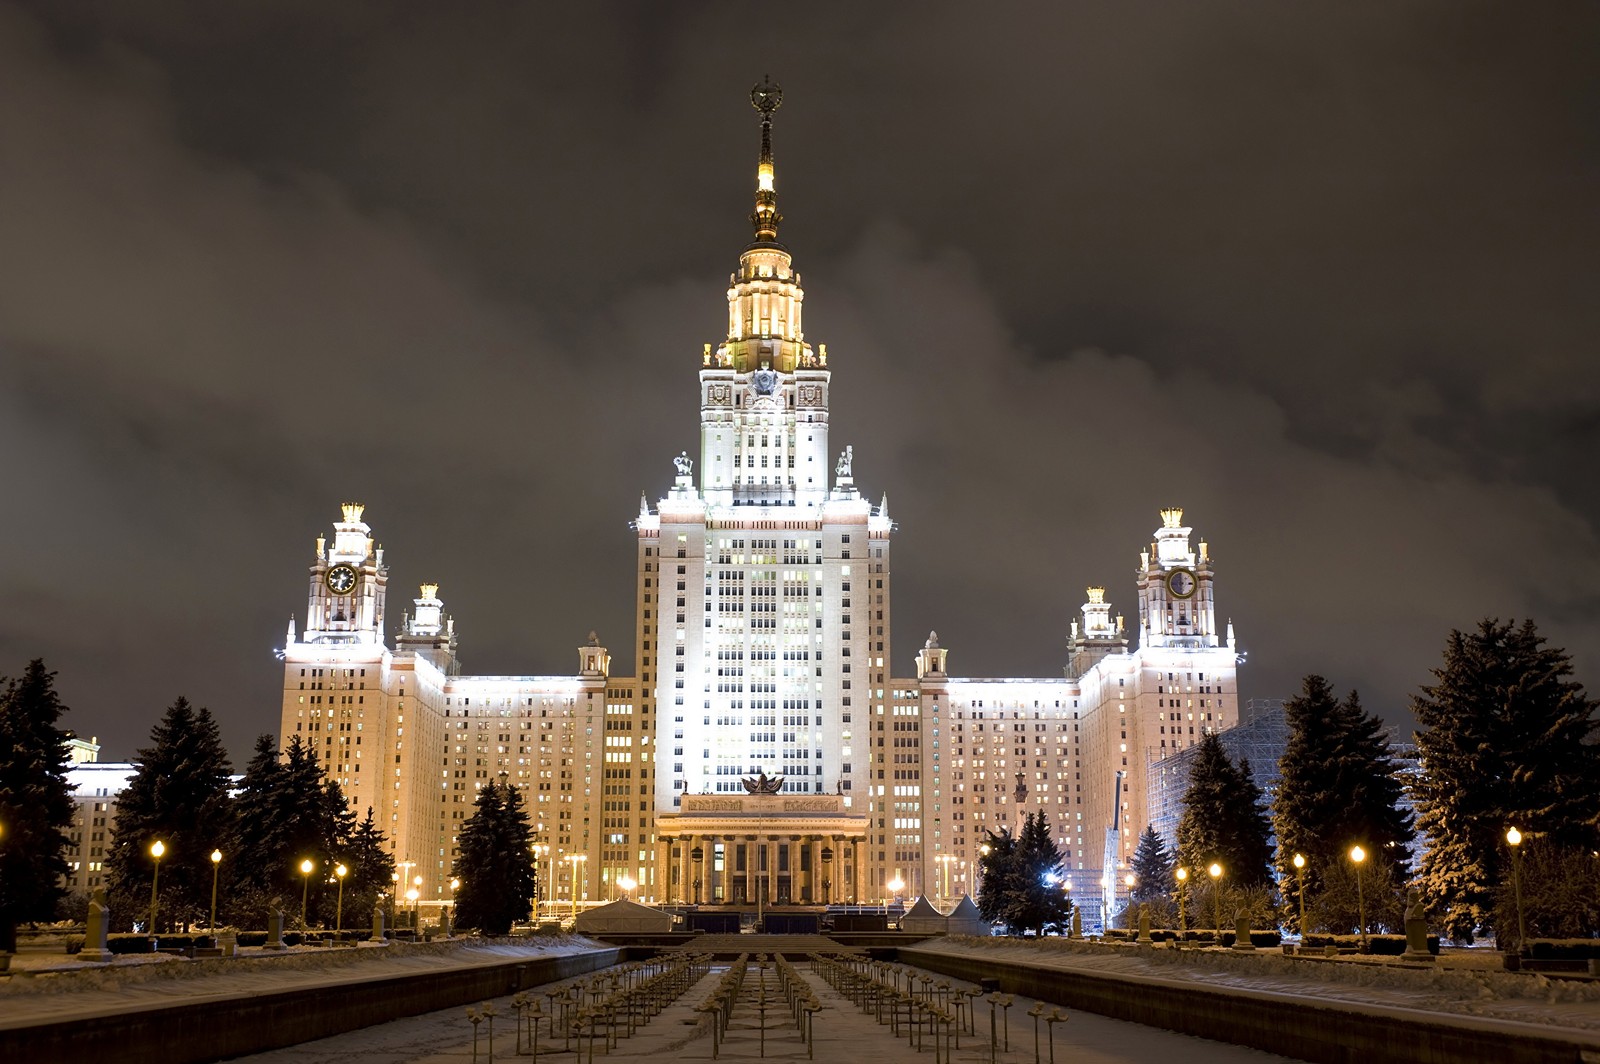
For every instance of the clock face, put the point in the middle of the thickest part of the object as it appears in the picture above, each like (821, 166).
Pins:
(1180, 582)
(341, 579)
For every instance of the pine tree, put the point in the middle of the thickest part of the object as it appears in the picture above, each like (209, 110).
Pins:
(35, 801)
(367, 855)
(997, 874)
(1506, 739)
(179, 795)
(1222, 820)
(1020, 878)
(1339, 788)
(495, 865)
(288, 812)
(1152, 870)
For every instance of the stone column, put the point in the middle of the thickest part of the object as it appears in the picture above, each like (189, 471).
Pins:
(796, 891)
(770, 844)
(662, 892)
(858, 873)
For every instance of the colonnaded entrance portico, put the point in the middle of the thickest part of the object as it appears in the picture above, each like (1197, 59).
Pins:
(761, 849)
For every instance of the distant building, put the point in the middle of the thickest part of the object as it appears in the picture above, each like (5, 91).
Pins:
(95, 787)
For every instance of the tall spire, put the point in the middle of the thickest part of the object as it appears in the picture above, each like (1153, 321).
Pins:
(766, 98)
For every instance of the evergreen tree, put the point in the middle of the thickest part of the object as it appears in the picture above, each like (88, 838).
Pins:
(287, 812)
(1020, 882)
(1506, 739)
(1223, 820)
(1152, 870)
(366, 853)
(997, 874)
(1339, 787)
(495, 865)
(179, 795)
(35, 801)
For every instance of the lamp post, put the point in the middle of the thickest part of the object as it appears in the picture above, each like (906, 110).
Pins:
(895, 886)
(1182, 875)
(394, 898)
(157, 848)
(216, 865)
(1214, 870)
(944, 860)
(455, 885)
(576, 859)
(338, 919)
(827, 875)
(1359, 857)
(1300, 889)
(541, 873)
(1514, 840)
(305, 887)
(627, 883)
(415, 895)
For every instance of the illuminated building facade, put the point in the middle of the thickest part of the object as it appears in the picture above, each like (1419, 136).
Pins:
(761, 643)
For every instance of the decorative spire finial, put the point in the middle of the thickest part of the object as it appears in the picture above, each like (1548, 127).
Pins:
(1172, 518)
(766, 97)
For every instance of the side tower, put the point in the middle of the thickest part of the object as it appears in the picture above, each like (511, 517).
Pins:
(763, 590)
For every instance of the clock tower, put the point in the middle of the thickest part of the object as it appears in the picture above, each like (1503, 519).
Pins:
(1176, 601)
(346, 597)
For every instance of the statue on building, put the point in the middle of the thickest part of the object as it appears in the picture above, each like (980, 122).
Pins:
(762, 784)
(684, 464)
(846, 459)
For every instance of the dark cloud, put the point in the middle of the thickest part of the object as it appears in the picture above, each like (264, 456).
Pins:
(1317, 273)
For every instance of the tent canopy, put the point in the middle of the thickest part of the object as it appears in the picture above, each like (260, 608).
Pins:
(624, 916)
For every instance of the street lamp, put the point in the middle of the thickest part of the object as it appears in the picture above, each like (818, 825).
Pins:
(1183, 883)
(944, 860)
(1359, 856)
(305, 887)
(541, 873)
(157, 848)
(1300, 889)
(1514, 840)
(895, 885)
(455, 885)
(627, 883)
(576, 859)
(1214, 870)
(216, 864)
(416, 906)
(338, 920)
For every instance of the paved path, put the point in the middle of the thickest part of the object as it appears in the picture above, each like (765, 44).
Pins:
(842, 1033)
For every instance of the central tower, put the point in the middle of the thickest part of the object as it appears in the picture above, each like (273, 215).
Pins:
(763, 391)
(764, 574)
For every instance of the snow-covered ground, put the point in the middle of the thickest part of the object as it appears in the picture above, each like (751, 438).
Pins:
(42, 992)
(1465, 987)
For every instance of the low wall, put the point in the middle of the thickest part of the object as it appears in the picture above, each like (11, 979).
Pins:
(1319, 1031)
(200, 1032)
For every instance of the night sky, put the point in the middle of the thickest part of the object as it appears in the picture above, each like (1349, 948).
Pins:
(1322, 274)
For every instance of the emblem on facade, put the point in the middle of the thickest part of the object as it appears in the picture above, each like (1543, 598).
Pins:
(719, 395)
(764, 381)
(763, 784)
(808, 395)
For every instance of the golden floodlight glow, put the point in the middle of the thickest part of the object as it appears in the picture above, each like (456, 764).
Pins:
(1357, 854)
(157, 848)
(1183, 874)
(306, 866)
(341, 871)
(1513, 837)
(1215, 870)
(1299, 860)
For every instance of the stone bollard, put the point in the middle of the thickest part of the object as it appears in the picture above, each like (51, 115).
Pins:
(1144, 923)
(1077, 925)
(377, 924)
(1241, 934)
(94, 942)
